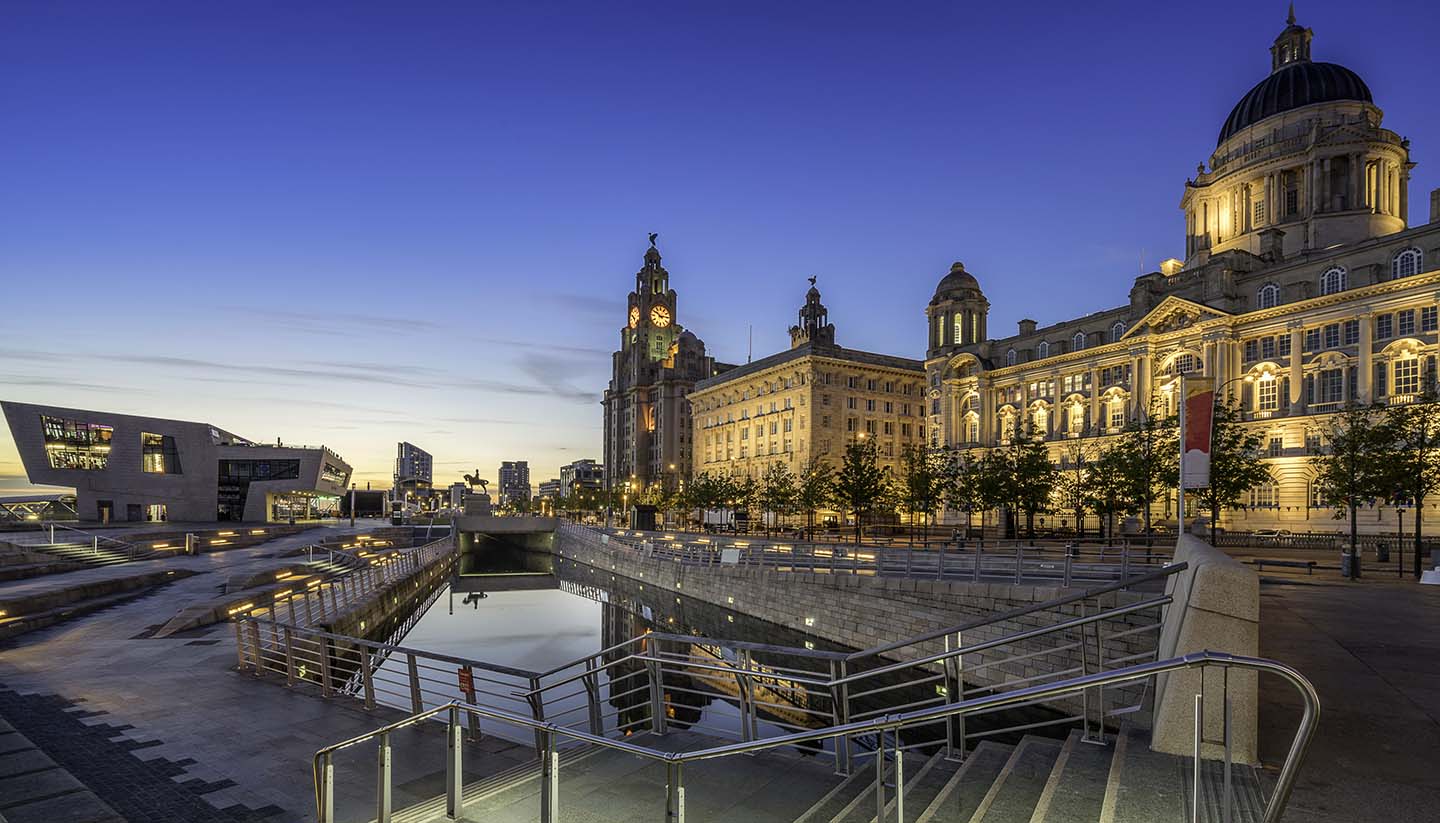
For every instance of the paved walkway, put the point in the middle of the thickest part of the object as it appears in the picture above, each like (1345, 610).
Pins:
(1372, 649)
(177, 706)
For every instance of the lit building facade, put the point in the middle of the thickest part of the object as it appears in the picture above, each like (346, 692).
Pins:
(414, 468)
(129, 468)
(1303, 289)
(807, 403)
(648, 438)
(514, 482)
(581, 476)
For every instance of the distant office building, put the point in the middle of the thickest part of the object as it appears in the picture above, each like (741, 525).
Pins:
(124, 467)
(514, 482)
(457, 496)
(413, 467)
(580, 476)
(647, 418)
(551, 490)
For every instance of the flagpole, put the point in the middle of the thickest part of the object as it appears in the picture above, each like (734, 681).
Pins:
(1180, 492)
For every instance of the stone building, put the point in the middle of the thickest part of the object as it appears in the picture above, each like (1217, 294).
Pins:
(807, 403)
(647, 418)
(1303, 288)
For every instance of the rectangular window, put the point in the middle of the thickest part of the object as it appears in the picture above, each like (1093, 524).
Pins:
(1352, 332)
(889, 407)
(1117, 414)
(1267, 348)
(904, 429)
(849, 424)
(852, 382)
(1259, 219)
(788, 424)
(1428, 318)
(869, 385)
(1269, 395)
(1312, 340)
(869, 405)
(870, 426)
(158, 454)
(1332, 386)
(889, 427)
(889, 387)
(1252, 351)
(1405, 322)
(76, 444)
(1277, 446)
(1284, 345)
(850, 402)
(1384, 327)
(1407, 376)
(1332, 336)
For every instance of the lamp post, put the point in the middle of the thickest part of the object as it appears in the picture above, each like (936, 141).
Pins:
(1400, 543)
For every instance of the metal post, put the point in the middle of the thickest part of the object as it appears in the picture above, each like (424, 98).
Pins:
(454, 776)
(592, 697)
(840, 715)
(879, 774)
(240, 649)
(1125, 563)
(1229, 794)
(289, 657)
(674, 793)
(416, 704)
(977, 563)
(940, 563)
(1019, 561)
(255, 647)
(549, 780)
(382, 780)
(1195, 771)
(1069, 562)
(324, 649)
(899, 783)
(95, 545)
(326, 799)
(367, 677)
(657, 696)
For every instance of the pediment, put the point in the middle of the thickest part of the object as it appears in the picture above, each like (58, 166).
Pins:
(1174, 314)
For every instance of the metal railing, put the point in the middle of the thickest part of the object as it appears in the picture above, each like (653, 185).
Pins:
(636, 685)
(549, 734)
(1063, 565)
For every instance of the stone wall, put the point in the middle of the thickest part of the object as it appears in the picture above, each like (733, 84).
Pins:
(1216, 608)
(861, 612)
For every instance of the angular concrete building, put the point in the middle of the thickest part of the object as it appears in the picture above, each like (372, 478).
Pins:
(128, 468)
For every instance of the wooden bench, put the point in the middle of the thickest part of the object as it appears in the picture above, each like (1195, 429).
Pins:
(1307, 565)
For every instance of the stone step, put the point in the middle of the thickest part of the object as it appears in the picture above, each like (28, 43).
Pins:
(1142, 785)
(962, 793)
(1076, 788)
(861, 809)
(832, 802)
(922, 789)
(1016, 791)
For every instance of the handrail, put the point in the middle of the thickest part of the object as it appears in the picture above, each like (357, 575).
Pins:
(54, 525)
(893, 722)
(389, 649)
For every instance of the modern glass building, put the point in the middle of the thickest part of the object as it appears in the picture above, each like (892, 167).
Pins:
(129, 468)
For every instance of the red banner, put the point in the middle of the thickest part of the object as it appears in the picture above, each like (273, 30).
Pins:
(1199, 426)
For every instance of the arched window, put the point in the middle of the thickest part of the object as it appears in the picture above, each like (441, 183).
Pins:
(1332, 281)
(1184, 364)
(1078, 341)
(1040, 421)
(1268, 297)
(1042, 351)
(1406, 263)
(1117, 331)
(1010, 357)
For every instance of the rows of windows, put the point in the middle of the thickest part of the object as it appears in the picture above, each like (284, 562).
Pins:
(76, 444)
(1406, 263)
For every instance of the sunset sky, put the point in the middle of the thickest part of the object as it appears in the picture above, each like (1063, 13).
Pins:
(357, 223)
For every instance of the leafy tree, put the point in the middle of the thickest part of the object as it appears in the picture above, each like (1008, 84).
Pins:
(776, 491)
(1235, 462)
(1108, 488)
(1075, 482)
(1033, 476)
(966, 485)
(1412, 456)
(814, 491)
(709, 491)
(923, 481)
(861, 486)
(1353, 468)
(1147, 460)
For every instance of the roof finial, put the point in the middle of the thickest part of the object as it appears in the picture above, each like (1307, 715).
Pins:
(1291, 18)
(812, 281)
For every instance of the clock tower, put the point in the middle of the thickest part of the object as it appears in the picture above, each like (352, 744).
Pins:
(647, 418)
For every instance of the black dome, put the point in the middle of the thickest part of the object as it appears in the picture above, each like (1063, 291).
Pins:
(1296, 85)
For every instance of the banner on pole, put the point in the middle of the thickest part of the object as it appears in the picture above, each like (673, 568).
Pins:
(1199, 423)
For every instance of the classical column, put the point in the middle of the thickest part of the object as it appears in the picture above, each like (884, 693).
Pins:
(1403, 182)
(1326, 195)
(1297, 367)
(1095, 422)
(1367, 346)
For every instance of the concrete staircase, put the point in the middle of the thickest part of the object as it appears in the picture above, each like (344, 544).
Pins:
(85, 553)
(1037, 780)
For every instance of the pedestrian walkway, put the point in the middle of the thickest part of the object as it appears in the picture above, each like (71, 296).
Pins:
(177, 705)
(1372, 649)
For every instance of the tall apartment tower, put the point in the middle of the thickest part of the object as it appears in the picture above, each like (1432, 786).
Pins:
(647, 418)
(514, 481)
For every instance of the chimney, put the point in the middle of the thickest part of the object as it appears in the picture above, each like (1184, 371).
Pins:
(1027, 327)
(1435, 206)
(1272, 244)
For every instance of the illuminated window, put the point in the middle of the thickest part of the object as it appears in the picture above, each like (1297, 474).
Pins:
(1331, 386)
(1428, 318)
(1268, 297)
(1332, 281)
(1186, 363)
(1117, 413)
(158, 454)
(1406, 263)
(1117, 331)
(1269, 394)
(75, 444)
(1405, 322)
(1041, 420)
(1263, 496)
(1407, 376)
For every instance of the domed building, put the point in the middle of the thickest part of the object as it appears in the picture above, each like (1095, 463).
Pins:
(1303, 288)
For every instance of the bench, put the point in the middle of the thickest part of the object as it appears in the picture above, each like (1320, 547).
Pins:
(1307, 565)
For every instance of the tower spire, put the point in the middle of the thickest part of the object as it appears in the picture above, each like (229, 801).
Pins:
(1291, 19)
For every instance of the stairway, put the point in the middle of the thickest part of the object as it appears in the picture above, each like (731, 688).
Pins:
(84, 553)
(1036, 780)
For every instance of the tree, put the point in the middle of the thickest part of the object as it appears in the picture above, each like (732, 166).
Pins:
(1411, 434)
(1147, 460)
(923, 481)
(861, 485)
(1352, 469)
(1075, 482)
(814, 490)
(965, 486)
(1235, 463)
(776, 491)
(1109, 486)
(1033, 476)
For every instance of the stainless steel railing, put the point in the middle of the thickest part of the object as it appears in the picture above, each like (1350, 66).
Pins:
(1059, 565)
(548, 735)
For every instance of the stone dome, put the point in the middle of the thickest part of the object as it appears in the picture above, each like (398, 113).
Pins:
(957, 280)
(1291, 87)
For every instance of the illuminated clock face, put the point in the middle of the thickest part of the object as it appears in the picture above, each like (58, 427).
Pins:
(634, 316)
(660, 316)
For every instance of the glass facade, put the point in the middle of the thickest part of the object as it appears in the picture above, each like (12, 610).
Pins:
(158, 454)
(236, 476)
(75, 444)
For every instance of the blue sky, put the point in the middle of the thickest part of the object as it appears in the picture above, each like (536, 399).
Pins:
(356, 223)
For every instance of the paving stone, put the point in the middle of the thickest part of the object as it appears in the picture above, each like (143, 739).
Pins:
(80, 807)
